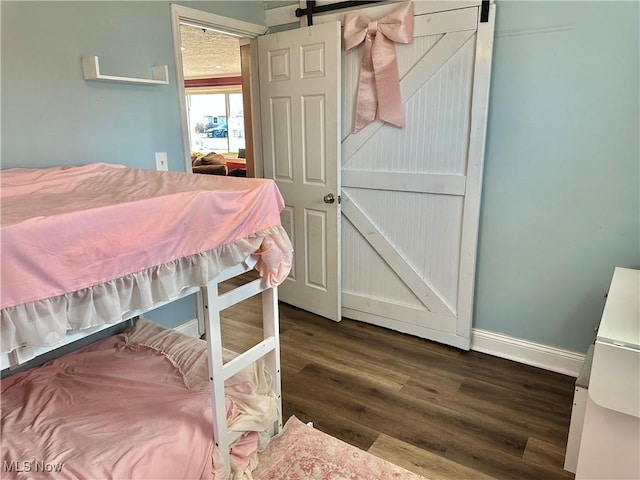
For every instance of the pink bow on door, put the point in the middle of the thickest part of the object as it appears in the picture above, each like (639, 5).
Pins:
(379, 82)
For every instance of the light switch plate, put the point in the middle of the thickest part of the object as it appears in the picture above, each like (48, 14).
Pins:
(161, 161)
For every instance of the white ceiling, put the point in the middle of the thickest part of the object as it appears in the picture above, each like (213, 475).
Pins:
(206, 53)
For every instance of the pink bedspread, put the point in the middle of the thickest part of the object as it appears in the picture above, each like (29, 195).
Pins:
(107, 412)
(69, 228)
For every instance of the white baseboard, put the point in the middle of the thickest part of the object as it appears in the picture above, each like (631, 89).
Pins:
(189, 328)
(529, 353)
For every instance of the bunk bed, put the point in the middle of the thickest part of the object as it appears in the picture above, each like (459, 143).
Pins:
(87, 247)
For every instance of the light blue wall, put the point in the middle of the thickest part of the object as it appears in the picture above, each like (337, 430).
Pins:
(561, 199)
(52, 116)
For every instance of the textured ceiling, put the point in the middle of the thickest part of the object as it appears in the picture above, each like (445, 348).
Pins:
(206, 53)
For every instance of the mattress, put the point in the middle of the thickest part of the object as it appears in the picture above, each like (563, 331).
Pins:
(81, 246)
(130, 406)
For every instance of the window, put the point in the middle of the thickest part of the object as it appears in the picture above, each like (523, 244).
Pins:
(216, 119)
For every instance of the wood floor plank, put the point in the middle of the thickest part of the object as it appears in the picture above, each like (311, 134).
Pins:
(400, 343)
(422, 405)
(407, 354)
(503, 466)
(529, 423)
(385, 363)
(327, 421)
(427, 464)
(433, 384)
(552, 417)
(324, 400)
(415, 411)
(313, 349)
(472, 364)
(495, 464)
(544, 453)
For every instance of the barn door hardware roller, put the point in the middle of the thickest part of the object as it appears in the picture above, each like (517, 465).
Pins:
(484, 11)
(312, 9)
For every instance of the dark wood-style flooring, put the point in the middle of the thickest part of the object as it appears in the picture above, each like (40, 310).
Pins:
(432, 409)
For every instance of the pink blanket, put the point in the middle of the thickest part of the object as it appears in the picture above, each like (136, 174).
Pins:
(69, 228)
(108, 411)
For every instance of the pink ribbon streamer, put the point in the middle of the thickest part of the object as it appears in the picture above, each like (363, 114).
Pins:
(379, 82)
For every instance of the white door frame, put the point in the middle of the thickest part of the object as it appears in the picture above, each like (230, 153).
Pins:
(230, 26)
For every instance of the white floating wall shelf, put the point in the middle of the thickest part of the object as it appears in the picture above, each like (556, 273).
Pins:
(91, 71)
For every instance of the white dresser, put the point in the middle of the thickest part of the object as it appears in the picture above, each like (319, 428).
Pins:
(610, 444)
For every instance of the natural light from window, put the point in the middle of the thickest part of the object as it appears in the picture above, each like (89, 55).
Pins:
(216, 120)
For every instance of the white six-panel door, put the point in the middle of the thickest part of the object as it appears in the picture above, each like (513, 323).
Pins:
(300, 120)
(411, 196)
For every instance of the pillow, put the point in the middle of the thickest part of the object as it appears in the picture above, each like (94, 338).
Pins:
(250, 402)
(188, 354)
(254, 405)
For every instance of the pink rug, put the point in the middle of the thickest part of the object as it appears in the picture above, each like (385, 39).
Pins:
(301, 452)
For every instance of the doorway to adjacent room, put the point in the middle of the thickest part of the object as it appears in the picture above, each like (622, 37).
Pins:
(213, 72)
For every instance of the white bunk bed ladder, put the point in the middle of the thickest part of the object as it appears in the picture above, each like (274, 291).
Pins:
(212, 304)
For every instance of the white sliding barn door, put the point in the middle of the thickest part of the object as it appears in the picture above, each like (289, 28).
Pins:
(411, 197)
(300, 119)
